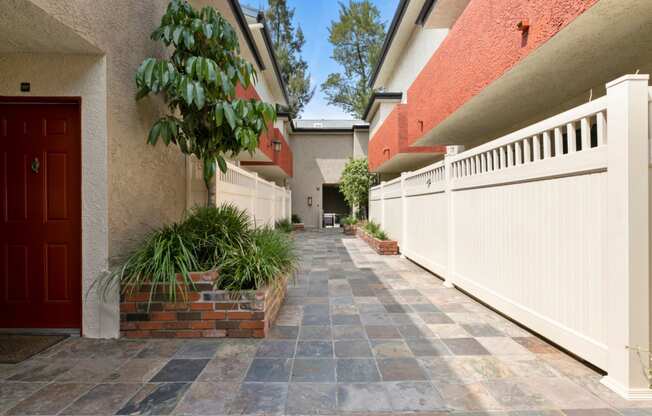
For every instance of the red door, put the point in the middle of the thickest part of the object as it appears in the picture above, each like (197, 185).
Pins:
(40, 224)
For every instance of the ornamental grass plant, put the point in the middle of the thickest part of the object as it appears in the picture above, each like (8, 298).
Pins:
(209, 238)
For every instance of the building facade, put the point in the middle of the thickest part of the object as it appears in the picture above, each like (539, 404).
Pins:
(78, 171)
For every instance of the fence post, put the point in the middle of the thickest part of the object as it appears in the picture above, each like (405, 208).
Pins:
(450, 212)
(254, 200)
(273, 204)
(627, 295)
(404, 234)
(382, 204)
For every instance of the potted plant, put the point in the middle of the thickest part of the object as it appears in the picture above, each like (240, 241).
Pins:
(349, 224)
(210, 275)
(377, 238)
(297, 224)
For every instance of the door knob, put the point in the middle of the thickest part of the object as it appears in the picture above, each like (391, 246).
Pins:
(35, 165)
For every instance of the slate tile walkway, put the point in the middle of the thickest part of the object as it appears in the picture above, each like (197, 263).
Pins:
(359, 333)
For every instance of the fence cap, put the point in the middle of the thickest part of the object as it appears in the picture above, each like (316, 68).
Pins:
(454, 149)
(628, 77)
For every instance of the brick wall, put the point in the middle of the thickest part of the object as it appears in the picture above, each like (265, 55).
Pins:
(205, 313)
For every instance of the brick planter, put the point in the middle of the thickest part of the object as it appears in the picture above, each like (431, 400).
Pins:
(382, 247)
(349, 229)
(206, 313)
(298, 226)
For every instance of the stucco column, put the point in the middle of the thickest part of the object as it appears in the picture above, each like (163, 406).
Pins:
(627, 299)
(450, 232)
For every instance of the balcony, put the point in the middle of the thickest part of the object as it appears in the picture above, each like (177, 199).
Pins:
(273, 157)
(389, 151)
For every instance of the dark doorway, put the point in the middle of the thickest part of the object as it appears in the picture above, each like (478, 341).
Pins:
(334, 205)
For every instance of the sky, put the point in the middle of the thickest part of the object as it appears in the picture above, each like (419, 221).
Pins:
(314, 17)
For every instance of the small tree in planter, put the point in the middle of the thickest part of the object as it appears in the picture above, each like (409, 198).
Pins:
(355, 183)
(198, 83)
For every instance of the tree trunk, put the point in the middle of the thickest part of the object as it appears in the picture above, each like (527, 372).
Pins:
(211, 193)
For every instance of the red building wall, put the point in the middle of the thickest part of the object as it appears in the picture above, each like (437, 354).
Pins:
(283, 158)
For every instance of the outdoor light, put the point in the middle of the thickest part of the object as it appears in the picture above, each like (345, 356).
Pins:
(309, 201)
(276, 145)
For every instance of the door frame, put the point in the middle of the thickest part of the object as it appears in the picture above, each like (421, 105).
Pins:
(77, 102)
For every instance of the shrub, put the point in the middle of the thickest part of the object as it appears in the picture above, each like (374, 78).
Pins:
(163, 254)
(214, 230)
(270, 255)
(374, 230)
(296, 219)
(284, 225)
(350, 220)
(355, 183)
(219, 238)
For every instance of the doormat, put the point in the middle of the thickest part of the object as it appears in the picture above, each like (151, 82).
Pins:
(15, 348)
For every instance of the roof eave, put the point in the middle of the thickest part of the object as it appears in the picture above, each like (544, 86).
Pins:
(380, 97)
(389, 38)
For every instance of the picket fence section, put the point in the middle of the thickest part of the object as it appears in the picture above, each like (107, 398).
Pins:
(548, 224)
(264, 201)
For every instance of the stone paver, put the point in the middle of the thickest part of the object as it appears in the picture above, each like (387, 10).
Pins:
(358, 333)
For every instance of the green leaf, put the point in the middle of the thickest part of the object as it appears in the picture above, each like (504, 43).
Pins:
(218, 114)
(149, 70)
(222, 163)
(187, 89)
(167, 33)
(188, 39)
(207, 29)
(200, 98)
(176, 35)
(209, 169)
(190, 66)
(230, 115)
(154, 133)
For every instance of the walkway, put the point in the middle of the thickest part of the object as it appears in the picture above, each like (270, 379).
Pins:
(358, 333)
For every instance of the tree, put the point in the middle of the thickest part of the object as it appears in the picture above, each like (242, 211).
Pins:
(288, 43)
(198, 83)
(355, 183)
(357, 39)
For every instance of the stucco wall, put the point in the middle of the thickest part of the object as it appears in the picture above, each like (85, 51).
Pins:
(128, 186)
(360, 143)
(318, 159)
(83, 76)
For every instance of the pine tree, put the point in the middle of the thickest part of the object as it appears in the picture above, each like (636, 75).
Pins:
(288, 43)
(357, 39)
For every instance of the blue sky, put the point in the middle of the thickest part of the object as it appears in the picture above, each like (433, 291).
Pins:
(314, 17)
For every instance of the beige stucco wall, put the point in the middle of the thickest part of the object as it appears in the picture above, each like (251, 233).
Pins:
(84, 76)
(360, 143)
(318, 159)
(128, 186)
(146, 184)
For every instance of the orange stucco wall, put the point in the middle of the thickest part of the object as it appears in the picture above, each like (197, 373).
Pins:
(483, 44)
(283, 158)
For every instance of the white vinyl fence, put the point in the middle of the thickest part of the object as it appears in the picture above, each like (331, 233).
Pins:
(265, 201)
(549, 225)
